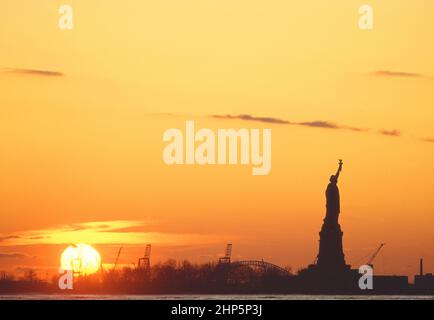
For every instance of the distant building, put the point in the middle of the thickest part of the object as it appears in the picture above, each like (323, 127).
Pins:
(391, 284)
(423, 283)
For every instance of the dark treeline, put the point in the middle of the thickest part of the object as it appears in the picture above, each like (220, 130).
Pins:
(28, 283)
(170, 277)
(173, 277)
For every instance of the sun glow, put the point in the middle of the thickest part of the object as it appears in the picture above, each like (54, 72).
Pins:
(81, 258)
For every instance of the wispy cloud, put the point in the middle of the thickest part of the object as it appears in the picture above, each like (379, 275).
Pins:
(8, 238)
(392, 133)
(315, 124)
(401, 74)
(329, 125)
(15, 255)
(33, 72)
(249, 117)
(127, 232)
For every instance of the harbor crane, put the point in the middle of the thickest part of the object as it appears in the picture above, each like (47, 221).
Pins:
(76, 265)
(374, 255)
(145, 261)
(228, 253)
(117, 258)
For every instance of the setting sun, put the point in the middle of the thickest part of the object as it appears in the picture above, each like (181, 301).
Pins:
(83, 259)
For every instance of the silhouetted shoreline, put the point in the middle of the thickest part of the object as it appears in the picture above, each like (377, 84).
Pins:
(173, 277)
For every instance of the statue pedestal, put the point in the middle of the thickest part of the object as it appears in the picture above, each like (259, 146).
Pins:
(330, 274)
(331, 256)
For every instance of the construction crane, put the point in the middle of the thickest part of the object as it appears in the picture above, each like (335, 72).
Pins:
(228, 253)
(371, 259)
(117, 258)
(76, 265)
(145, 261)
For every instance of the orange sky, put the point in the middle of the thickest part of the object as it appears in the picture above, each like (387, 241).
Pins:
(81, 149)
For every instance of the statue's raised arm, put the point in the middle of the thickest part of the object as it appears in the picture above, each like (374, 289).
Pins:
(339, 170)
